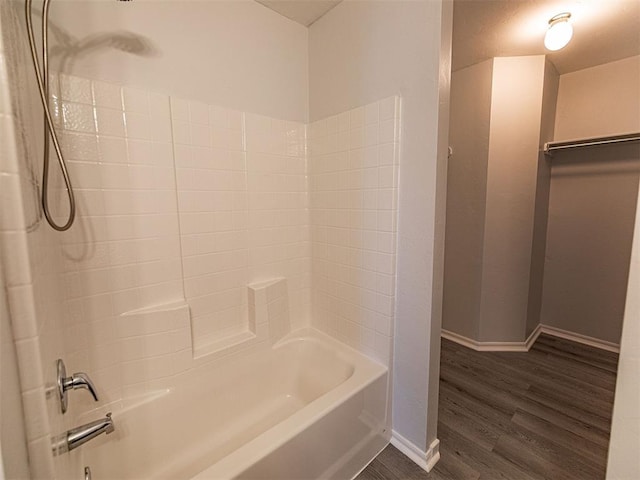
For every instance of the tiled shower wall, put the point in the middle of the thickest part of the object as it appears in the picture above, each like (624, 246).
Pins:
(30, 253)
(123, 252)
(152, 232)
(182, 203)
(353, 170)
(243, 212)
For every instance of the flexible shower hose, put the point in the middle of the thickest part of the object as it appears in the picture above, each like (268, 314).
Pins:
(42, 77)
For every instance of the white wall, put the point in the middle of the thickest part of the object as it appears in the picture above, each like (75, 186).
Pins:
(360, 52)
(624, 462)
(236, 54)
(599, 101)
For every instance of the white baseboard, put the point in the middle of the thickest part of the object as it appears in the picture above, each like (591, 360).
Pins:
(579, 338)
(425, 460)
(526, 345)
(533, 336)
(485, 346)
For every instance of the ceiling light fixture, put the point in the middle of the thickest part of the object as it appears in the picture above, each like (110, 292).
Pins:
(559, 33)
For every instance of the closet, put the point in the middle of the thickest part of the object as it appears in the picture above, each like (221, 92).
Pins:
(541, 198)
(592, 202)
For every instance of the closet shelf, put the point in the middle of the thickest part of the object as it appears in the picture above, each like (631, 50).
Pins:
(551, 147)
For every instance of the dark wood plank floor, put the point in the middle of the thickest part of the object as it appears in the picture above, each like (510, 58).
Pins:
(543, 414)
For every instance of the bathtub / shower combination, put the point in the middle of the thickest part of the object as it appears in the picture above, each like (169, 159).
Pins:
(307, 407)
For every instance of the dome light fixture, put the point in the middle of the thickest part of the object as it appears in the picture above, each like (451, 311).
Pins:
(559, 33)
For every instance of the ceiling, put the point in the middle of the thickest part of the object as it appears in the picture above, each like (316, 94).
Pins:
(604, 31)
(302, 11)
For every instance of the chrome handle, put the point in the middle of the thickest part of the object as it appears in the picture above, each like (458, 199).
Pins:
(87, 473)
(74, 382)
(80, 380)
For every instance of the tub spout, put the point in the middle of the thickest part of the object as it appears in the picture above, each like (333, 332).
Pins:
(80, 435)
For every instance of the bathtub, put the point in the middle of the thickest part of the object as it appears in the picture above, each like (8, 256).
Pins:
(309, 407)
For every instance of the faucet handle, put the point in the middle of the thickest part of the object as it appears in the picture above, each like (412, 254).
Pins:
(80, 380)
(74, 382)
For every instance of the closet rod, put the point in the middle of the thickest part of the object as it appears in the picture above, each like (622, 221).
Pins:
(550, 147)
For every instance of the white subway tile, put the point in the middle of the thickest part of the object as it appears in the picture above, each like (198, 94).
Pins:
(199, 113)
(75, 89)
(387, 133)
(81, 147)
(29, 359)
(78, 117)
(8, 145)
(36, 415)
(17, 268)
(23, 313)
(357, 118)
(138, 126)
(179, 110)
(109, 121)
(12, 215)
(388, 108)
(107, 95)
(140, 152)
(181, 133)
(112, 150)
(135, 100)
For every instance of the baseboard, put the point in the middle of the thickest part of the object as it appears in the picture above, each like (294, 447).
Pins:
(533, 336)
(425, 460)
(526, 345)
(579, 338)
(485, 346)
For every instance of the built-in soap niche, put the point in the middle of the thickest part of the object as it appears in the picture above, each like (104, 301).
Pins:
(267, 320)
(157, 341)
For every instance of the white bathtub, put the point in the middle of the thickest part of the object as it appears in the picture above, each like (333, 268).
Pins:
(308, 408)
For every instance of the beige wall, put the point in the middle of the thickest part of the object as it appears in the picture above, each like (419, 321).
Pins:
(516, 107)
(624, 462)
(543, 185)
(466, 194)
(237, 54)
(591, 211)
(360, 52)
(592, 202)
(503, 110)
(599, 101)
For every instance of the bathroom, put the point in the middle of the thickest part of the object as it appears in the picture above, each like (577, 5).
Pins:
(255, 267)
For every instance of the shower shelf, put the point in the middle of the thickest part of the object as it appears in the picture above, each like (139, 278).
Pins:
(551, 147)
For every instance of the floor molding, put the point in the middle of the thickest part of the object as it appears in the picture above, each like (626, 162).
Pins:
(485, 346)
(533, 337)
(579, 338)
(425, 460)
(526, 345)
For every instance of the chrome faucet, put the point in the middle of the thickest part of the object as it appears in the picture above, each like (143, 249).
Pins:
(81, 435)
(74, 382)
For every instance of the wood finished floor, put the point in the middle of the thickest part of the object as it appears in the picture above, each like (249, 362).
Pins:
(543, 414)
